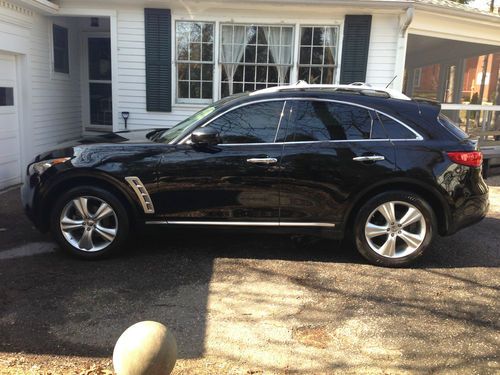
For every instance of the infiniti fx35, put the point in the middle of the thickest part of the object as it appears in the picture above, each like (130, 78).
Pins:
(385, 171)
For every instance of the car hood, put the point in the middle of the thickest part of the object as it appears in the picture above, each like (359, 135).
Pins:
(130, 136)
(101, 143)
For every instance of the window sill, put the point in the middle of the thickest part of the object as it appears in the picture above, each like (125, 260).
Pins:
(60, 76)
(192, 105)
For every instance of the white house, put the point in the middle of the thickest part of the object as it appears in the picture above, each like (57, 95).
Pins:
(71, 67)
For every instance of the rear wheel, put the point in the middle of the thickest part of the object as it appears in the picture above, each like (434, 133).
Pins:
(394, 228)
(89, 222)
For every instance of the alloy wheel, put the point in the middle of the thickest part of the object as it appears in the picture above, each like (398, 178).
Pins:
(395, 229)
(88, 223)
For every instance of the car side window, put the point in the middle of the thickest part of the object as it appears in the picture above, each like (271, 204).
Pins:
(378, 131)
(394, 129)
(254, 123)
(327, 121)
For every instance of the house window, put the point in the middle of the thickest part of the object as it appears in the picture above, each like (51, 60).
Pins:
(254, 57)
(60, 49)
(6, 96)
(318, 54)
(195, 61)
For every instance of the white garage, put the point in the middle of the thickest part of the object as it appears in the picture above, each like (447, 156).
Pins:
(10, 154)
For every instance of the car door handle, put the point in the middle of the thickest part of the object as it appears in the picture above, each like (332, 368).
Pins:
(369, 158)
(262, 160)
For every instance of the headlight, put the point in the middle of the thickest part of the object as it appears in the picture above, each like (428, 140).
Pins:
(42, 166)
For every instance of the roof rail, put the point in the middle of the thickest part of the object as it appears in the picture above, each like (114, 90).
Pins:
(357, 87)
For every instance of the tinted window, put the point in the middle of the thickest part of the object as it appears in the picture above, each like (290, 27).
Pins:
(394, 129)
(325, 121)
(378, 131)
(452, 127)
(254, 123)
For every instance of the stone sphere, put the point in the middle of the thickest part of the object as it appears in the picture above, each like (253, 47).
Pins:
(145, 348)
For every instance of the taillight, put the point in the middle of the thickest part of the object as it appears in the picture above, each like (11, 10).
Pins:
(468, 158)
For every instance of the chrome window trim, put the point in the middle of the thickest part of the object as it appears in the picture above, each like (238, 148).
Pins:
(286, 99)
(186, 138)
(280, 121)
(241, 223)
(418, 136)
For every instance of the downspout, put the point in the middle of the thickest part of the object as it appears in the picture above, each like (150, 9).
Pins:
(405, 21)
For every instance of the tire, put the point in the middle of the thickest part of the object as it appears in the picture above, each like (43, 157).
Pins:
(402, 240)
(107, 230)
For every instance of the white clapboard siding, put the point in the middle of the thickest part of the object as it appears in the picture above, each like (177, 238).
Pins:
(56, 103)
(132, 77)
(383, 47)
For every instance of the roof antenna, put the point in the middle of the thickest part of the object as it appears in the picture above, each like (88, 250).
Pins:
(392, 80)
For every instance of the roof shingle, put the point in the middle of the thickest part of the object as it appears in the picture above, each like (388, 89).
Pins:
(448, 4)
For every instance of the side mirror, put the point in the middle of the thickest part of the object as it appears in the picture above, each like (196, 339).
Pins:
(206, 136)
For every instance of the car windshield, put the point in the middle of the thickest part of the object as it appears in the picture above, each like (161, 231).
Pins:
(168, 135)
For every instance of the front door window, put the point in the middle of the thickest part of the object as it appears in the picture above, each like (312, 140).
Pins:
(100, 87)
(255, 123)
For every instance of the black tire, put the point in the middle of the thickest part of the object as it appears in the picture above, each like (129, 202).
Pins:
(365, 214)
(120, 217)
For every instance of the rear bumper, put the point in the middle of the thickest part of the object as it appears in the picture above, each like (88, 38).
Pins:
(473, 210)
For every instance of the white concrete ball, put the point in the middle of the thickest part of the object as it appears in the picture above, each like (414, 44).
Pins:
(145, 348)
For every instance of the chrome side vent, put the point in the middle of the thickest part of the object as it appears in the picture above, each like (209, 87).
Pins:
(142, 194)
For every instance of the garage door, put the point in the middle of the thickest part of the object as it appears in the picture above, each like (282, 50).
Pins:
(10, 155)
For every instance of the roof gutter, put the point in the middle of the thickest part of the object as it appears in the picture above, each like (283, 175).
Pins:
(40, 6)
(479, 16)
(405, 21)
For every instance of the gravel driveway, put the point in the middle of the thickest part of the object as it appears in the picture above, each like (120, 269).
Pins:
(252, 303)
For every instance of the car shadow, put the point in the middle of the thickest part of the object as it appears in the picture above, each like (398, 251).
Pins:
(55, 304)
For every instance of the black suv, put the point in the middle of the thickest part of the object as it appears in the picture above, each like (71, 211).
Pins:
(340, 161)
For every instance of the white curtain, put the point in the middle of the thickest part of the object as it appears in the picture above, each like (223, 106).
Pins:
(234, 41)
(279, 41)
(330, 43)
(330, 39)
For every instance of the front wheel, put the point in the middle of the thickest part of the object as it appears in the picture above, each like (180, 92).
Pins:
(394, 228)
(89, 222)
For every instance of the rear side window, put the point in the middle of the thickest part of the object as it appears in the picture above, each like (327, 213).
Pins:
(452, 127)
(254, 123)
(326, 121)
(394, 129)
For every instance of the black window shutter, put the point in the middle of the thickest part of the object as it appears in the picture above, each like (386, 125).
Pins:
(158, 60)
(355, 48)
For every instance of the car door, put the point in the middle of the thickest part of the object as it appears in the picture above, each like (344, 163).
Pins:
(332, 151)
(235, 182)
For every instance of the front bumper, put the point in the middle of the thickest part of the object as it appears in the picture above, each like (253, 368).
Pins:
(28, 193)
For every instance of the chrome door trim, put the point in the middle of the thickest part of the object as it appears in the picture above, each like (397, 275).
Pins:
(241, 223)
(262, 160)
(142, 194)
(295, 224)
(369, 158)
